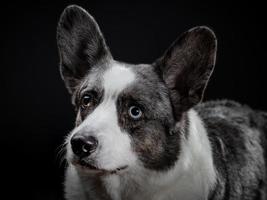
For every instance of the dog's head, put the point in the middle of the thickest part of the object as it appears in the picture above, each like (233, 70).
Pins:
(129, 116)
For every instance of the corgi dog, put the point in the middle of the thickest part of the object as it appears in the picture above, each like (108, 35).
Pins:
(141, 131)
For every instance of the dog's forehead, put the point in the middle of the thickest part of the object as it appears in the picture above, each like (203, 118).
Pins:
(117, 77)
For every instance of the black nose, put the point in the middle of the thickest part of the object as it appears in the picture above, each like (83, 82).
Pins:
(83, 146)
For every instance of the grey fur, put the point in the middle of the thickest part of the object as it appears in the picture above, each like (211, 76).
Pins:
(238, 136)
(81, 45)
(187, 66)
(165, 91)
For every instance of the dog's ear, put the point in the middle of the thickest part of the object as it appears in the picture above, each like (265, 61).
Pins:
(81, 45)
(186, 67)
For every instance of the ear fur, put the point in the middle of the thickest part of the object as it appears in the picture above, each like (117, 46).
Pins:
(81, 45)
(187, 66)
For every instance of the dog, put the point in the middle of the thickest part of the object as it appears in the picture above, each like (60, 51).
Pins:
(141, 130)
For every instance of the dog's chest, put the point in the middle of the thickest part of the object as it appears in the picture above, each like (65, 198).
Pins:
(186, 187)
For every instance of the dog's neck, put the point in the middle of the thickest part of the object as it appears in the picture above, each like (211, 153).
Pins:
(192, 177)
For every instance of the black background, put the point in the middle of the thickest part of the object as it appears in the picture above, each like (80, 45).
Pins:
(36, 110)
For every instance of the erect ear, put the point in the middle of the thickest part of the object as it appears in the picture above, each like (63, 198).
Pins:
(186, 67)
(81, 45)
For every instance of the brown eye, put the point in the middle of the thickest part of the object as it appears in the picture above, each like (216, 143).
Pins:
(86, 100)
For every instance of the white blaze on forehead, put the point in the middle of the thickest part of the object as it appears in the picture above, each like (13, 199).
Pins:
(117, 78)
(115, 144)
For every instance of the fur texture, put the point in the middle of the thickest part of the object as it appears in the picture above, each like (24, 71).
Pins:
(154, 138)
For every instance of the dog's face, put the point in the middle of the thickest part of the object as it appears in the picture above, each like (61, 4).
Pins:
(129, 116)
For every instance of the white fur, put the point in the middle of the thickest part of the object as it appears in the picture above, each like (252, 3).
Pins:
(115, 150)
(116, 79)
(73, 185)
(113, 186)
(192, 177)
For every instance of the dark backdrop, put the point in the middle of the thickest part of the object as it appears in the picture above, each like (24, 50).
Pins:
(36, 110)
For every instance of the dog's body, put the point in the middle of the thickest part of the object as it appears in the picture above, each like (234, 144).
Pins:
(140, 132)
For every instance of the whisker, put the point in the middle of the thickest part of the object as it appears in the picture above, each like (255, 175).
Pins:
(61, 154)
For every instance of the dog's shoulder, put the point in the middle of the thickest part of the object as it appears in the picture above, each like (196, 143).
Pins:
(232, 117)
(228, 119)
(238, 138)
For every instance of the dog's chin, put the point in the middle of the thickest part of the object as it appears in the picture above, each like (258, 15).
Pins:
(90, 169)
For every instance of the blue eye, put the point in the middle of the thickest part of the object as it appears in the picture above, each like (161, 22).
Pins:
(135, 112)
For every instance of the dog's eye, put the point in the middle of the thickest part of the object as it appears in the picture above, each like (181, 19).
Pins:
(135, 112)
(86, 100)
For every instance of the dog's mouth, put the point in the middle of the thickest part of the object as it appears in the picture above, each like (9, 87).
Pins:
(89, 168)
